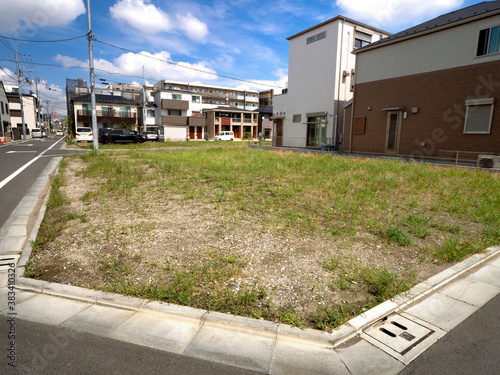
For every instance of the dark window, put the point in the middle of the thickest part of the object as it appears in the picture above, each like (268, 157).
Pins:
(358, 43)
(489, 41)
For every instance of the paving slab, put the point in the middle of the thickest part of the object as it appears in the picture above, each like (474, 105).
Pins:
(489, 274)
(11, 245)
(13, 230)
(19, 297)
(442, 311)
(292, 356)
(362, 358)
(98, 320)
(222, 344)
(48, 310)
(471, 291)
(154, 331)
(495, 262)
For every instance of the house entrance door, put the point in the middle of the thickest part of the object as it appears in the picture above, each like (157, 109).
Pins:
(393, 131)
(279, 133)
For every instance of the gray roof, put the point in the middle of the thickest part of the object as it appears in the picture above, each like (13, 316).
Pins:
(265, 109)
(99, 98)
(446, 20)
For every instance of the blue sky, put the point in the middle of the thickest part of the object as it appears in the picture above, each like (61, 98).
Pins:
(243, 39)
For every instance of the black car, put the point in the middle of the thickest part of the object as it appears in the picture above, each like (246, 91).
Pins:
(109, 135)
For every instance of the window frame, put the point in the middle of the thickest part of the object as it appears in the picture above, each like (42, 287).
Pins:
(484, 41)
(294, 118)
(478, 103)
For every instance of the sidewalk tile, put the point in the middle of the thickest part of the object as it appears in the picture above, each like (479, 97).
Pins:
(442, 311)
(20, 296)
(297, 357)
(489, 274)
(98, 320)
(232, 347)
(48, 310)
(156, 331)
(471, 291)
(363, 358)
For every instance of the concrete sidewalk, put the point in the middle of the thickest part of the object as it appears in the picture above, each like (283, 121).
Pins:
(380, 341)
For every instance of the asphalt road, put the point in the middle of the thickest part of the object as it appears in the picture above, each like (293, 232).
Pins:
(42, 349)
(472, 347)
(15, 155)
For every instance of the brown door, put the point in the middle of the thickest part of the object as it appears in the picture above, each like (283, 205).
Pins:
(191, 132)
(198, 132)
(236, 130)
(392, 131)
(279, 133)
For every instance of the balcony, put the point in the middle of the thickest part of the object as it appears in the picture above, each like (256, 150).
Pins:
(196, 121)
(182, 105)
(175, 120)
(111, 117)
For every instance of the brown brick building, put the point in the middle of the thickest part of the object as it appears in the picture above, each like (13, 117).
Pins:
(430, 91)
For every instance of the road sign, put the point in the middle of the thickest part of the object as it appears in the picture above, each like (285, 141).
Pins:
(54, 116)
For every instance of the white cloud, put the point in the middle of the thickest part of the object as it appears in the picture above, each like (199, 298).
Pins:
(394, 14)
(193, 27)
(141, 16)
(25, 16)
(130, 64)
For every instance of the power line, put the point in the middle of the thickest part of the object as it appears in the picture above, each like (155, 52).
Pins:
(183, 66)
(43, 41)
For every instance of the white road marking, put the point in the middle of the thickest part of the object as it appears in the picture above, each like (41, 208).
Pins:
(13, 175)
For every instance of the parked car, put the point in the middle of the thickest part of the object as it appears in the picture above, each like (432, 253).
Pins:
(36, 133)
(84, 135)
(109, 135)
(224, 136)
(59, 132)
(151, 135)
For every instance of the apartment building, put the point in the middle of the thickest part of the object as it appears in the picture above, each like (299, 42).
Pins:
(112, 111)
(180, 107)
(321, 69)
(431, 90)
(239, 121)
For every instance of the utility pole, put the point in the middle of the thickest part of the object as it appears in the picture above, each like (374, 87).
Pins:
(92, 79)
(144, 112)
(19, 74)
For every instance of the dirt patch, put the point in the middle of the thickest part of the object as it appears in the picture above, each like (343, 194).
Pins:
(148, 233)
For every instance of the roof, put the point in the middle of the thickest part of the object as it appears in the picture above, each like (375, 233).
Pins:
(445, 21)
(342, 18)
(99, 98)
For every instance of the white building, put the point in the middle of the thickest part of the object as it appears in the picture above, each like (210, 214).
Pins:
(320, 80)
(179, 106)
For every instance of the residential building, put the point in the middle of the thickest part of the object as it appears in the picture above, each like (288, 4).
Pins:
(30, 110)
(431, 90)
(180, 107)
(112, 111)
(309, 113)
(266, 98)
(4, 115)
(241, 122)
(114, 104)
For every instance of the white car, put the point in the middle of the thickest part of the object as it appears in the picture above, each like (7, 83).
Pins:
(84, 135)
(224, 136)
(36, 133)
(59, 132)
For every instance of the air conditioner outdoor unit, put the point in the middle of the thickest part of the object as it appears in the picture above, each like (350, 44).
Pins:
(488, 161)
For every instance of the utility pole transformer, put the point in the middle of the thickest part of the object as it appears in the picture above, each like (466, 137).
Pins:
(92, 79)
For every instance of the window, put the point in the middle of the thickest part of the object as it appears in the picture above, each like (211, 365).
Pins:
(6, 107)
(297, 118)
(478, 116)
(2, 109)
(361, 39)
(176, 97)
(174, 112)
(489, 41)
(151, 113)
(358, 43)
(316, 37)
(196, 99)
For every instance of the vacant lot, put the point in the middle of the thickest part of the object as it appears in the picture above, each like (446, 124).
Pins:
(309, 240)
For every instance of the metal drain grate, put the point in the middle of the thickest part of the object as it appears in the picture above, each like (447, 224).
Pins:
(399, 333)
